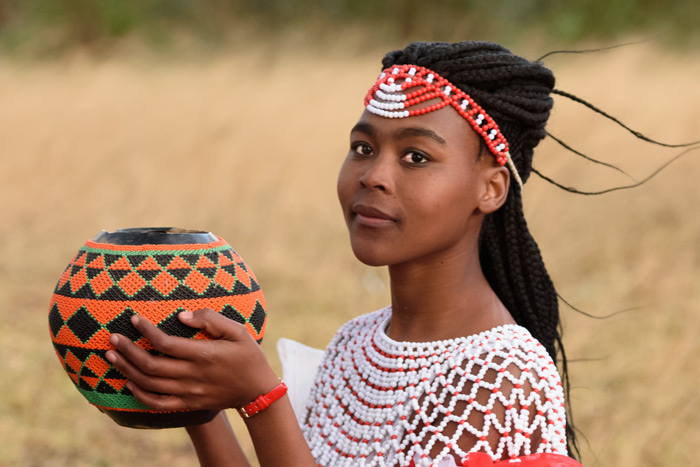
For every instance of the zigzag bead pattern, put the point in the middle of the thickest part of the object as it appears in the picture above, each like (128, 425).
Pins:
(379, 402)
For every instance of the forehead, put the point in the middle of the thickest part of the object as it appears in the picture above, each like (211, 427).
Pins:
(444, 124)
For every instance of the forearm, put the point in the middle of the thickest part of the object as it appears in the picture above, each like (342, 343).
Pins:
(277, 437)
(216, 444)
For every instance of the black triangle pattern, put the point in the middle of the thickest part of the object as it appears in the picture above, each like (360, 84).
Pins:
(230, 268)
(110, 259)
(105, 388)
(147, 293)
(136, 260)
(257, 318)
(113, 373)
(118, 274)
(164, 260)
(85, 371)
(215, 290)
(90, 257)
(82, 354)
(254, 286)
(231, 313)
(239, 288)
(93, 272)
(180, 274)
(149, 274)
(83, 385)
(55, 320)
(190, 259)
(208, 272)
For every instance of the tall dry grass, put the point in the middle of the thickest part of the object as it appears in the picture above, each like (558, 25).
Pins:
(249, 149)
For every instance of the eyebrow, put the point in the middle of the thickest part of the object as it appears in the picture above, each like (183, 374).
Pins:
(422, 132)
(407, 132)
(366, 128)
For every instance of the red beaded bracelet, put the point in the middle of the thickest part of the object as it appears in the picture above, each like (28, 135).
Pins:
(263, 401)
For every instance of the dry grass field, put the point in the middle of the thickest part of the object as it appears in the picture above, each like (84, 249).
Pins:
(247, 145)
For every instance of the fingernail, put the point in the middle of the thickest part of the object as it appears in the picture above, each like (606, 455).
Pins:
(135, 320)
(186, 315)
(110, 356)
(114, 340)
(130, 385)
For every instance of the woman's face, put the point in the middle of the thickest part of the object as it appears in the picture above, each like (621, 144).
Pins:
(415, 189)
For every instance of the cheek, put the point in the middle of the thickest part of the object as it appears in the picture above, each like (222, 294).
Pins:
(441, 196)
(443, 207)
(344, 184)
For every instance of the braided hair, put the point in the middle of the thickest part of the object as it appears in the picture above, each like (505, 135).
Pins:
(516, 94)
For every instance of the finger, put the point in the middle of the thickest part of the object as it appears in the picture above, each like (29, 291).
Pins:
(149, 383)
(172, 346)
(162, 402)
(151, 365)
(215, 324)
(133, 372)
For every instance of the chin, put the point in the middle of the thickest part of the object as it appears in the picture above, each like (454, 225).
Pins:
(369, 257)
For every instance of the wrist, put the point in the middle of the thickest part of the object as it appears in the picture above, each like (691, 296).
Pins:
(263, 401)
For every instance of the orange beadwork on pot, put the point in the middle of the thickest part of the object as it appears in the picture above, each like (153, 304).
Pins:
(155, 273)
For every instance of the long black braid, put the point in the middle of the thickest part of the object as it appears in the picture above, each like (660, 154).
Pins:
(516, 94)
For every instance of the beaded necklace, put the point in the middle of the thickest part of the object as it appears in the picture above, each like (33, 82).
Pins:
(380, 402)
(401, 90)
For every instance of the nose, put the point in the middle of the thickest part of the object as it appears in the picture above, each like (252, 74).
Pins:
(378, 174)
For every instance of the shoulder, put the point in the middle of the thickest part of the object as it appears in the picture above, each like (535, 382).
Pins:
(506, 368)
(504, 348)
(505, 337)
(510, 346)
(504, 387)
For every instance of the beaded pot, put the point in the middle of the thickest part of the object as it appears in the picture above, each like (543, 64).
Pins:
(155, 273)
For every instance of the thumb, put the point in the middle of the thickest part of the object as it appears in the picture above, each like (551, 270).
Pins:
(215, 324)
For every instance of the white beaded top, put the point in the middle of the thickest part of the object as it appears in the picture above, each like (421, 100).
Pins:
(379, 402)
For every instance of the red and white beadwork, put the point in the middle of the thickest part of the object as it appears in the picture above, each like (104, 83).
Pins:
(379, 402)
(402, 90)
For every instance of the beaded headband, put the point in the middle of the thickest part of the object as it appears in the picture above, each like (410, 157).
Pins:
(390, 99)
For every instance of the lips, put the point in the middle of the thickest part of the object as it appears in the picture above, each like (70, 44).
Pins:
(370, 216)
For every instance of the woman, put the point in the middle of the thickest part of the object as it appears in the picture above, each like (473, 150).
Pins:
(461, 365)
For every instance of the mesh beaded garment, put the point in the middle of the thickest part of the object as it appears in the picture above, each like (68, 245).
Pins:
(104, 285)
(379, 402)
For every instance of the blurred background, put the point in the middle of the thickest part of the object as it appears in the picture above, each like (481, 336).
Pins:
(233, 117)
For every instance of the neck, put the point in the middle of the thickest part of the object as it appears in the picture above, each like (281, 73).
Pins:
(443, 299)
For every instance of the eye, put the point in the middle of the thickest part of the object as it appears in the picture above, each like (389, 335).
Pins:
(415, 158)
(362, 149)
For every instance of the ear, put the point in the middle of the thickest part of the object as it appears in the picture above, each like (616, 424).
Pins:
(496, 184)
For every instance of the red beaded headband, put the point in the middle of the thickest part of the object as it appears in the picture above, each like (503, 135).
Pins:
(389, 99)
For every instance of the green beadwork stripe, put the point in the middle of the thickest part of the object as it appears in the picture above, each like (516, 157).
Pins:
(117, 401)
(88, 249)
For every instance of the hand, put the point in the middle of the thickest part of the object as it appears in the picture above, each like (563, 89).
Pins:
(228, 371)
